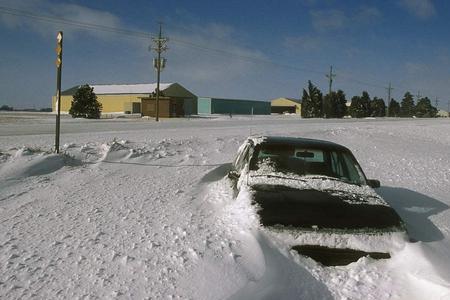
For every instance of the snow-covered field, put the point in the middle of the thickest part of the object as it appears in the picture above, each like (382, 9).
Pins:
(135, 209)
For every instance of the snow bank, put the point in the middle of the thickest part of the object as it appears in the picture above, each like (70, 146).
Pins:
(27, 162)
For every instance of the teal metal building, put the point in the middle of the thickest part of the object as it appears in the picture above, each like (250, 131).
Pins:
(209, 106)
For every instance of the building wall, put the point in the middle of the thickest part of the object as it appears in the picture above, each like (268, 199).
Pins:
(233, 106)
(443, 113)
(190, 106)
(178, 91)
(169, 107)
(149, 107)
(110, 103)
(284, 102)
(204, 105)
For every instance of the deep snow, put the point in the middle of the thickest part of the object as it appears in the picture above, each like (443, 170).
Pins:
(135, 209)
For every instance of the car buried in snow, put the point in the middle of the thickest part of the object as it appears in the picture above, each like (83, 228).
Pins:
(314, 195)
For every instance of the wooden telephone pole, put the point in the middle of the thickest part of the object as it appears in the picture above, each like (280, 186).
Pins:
(59, 48)
(159, 63)
(389, 90)
(330, 77)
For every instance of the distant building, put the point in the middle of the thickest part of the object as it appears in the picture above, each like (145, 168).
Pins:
(207, 105)
(286, 105)
(443, 114)
(175, 100)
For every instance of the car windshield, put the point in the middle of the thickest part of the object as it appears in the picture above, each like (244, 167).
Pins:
(334, 163)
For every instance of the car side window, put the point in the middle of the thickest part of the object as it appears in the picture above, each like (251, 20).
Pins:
(338, 165)
(345, 167)
(353, 169)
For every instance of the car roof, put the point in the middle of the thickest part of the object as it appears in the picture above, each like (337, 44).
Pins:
(298, 142)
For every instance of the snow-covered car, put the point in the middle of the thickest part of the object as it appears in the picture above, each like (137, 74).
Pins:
(318, 189)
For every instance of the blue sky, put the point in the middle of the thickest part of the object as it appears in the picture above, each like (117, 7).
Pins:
(267, 49)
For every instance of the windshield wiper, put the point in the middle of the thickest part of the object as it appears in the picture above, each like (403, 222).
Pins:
(278, 176)
(324, 177)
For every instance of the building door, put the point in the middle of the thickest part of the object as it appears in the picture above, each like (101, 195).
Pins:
(173, 108)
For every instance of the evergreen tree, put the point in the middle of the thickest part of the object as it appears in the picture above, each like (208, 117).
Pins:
(335, 105)
(6, 108)
(85, 104)
(424, 109)
(377, 107)
(365, 104)
(355, 106)
(360, 106)
(341, 104)
(407, 105)
(394, 108)
(329, 105)
(311, 102)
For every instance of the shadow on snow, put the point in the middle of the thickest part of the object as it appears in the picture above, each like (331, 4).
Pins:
(415, 209)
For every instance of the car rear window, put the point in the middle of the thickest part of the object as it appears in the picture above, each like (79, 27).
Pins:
(306, 154)
(308, 161)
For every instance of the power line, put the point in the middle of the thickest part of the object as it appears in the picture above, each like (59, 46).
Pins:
(244, 57)
(145, 35)
(350, 78)
(148, 35)
(84, 25)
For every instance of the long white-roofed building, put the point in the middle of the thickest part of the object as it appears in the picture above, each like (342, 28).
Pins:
(175, 100)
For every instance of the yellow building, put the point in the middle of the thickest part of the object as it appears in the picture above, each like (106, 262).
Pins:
(126, 98)
(286, 105)
(443, 114)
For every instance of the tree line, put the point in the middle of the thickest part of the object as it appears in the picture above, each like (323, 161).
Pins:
(334, 105)
(10, 108)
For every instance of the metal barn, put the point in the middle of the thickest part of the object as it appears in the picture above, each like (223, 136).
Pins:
(207, 105)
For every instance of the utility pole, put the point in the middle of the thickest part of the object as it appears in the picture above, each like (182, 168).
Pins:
(389, 89)
(436, 101)
(330, 77)
(59, 48)
(418, 95)
(159, 63)
(448, 108)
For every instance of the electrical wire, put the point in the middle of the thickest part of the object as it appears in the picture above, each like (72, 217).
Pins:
(57, 20)
(149, 35)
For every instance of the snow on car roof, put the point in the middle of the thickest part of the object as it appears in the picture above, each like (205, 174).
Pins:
(296, 141)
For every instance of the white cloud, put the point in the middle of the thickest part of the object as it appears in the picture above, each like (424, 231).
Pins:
(334, 20)
(227, 72)
(367, 15)
(415, 68)
(422, 9)
(198, 63)
(327, 23)
(328, 20)
(72, 12)
(306, 42)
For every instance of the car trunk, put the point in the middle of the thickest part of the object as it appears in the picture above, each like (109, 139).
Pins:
(319, 209)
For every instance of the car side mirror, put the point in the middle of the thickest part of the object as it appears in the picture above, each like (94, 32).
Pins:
(373, 183)
(233, 175)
